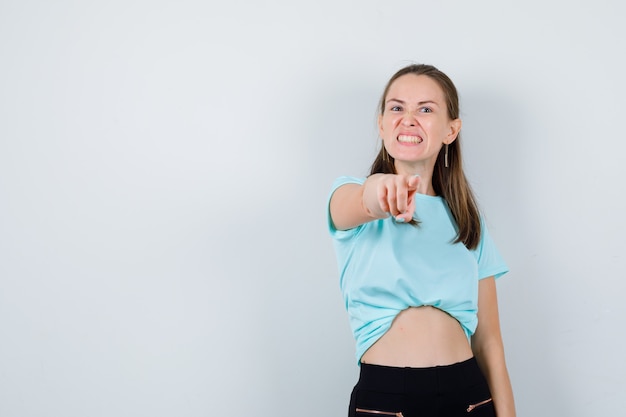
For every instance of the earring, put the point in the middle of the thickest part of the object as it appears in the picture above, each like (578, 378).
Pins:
(445, 157)
(386, 155)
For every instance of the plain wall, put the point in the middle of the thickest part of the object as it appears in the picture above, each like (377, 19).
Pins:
(164, 169)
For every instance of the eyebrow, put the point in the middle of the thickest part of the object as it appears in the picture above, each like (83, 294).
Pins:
(419, 103)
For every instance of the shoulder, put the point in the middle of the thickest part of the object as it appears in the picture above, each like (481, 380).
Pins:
(345, 179)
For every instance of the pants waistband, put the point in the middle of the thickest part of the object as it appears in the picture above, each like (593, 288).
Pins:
(425, 380)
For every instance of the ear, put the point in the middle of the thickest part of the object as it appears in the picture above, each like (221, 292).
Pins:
(455, 128)
(380, 125)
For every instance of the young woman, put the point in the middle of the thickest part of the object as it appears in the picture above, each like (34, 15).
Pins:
(418, 267)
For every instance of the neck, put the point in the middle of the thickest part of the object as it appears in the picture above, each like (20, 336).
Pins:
(426, 176)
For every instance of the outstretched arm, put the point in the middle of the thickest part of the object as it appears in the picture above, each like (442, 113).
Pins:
(380, 195)
(488, 349)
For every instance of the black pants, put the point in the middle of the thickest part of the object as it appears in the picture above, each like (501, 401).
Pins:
(443, 391)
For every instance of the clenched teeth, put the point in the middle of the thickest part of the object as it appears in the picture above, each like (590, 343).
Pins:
(410, 139)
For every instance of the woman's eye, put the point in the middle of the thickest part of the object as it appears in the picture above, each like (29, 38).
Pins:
(426, 110)
(396, 108)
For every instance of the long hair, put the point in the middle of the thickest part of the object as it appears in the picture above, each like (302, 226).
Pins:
(448, 182)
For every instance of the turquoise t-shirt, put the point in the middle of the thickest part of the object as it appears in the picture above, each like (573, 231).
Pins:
(386, 267)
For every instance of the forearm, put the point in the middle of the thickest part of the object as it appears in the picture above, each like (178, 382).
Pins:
(380, 196)
(352, 204)
(370, 199)
(492, 363)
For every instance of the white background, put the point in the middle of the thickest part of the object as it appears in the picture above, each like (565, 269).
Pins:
(164, 169)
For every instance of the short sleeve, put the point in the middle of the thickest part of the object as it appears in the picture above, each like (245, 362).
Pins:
(340, 234)
(490, 262)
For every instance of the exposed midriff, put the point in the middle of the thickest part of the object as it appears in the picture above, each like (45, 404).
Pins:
(420, 337)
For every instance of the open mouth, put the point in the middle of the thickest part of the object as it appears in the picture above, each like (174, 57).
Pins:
(410, 139)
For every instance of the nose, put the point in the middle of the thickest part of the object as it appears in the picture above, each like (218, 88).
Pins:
(408, 119)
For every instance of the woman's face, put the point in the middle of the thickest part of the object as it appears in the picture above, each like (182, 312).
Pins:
(415, 123)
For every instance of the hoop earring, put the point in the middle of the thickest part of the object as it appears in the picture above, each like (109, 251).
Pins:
(445, 157)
